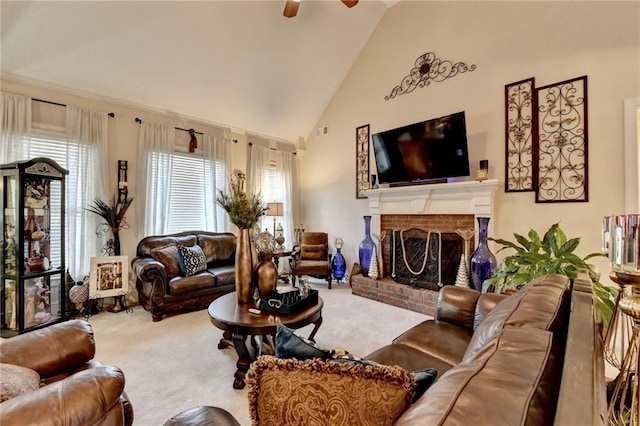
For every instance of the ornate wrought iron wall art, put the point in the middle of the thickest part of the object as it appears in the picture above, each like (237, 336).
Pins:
(428, 68)
(362, 160)
(561, 166)
(521, 127)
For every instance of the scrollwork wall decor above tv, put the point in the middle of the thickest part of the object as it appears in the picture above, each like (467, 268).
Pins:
(428, 68)
(520, 129)
(561, 164)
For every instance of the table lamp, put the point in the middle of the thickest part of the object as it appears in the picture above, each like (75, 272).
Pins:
(274, 210)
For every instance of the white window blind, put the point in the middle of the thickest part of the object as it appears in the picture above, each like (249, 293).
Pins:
(188, 194)
(57, 148)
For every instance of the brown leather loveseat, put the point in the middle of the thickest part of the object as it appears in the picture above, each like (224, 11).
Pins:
(74, 388)
(163, 288)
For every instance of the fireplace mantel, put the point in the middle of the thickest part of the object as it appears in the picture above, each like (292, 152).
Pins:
(468, 197)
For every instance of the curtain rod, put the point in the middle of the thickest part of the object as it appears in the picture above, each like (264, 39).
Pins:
(110, 114)
(139, 121)
(273, 149)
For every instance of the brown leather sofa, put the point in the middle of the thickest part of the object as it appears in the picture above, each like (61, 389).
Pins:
(532, 358)
(163, 289)
(74, 388)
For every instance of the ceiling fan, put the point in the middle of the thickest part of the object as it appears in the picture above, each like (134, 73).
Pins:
(291, 7)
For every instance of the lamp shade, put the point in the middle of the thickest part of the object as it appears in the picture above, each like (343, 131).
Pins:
(274, 209)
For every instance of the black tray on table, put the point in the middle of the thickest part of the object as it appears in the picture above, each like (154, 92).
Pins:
(288, 302)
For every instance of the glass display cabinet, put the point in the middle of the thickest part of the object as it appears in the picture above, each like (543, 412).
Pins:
(32, 265)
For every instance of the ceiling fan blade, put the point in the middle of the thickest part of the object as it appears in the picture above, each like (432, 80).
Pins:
(350, 3)
(291, 8)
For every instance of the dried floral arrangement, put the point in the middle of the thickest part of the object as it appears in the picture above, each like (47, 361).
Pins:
(244, 210)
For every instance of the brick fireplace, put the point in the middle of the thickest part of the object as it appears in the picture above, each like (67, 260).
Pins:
(438, 207)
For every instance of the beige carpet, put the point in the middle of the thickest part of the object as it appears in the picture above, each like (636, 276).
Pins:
(174, 364)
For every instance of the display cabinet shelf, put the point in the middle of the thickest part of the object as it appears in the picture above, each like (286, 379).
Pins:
(32, 263)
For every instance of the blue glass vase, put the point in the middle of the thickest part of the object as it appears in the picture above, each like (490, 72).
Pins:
(338, 265)
(482, 261)
(367, 248)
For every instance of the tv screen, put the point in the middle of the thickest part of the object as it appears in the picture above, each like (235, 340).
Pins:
(420, 152)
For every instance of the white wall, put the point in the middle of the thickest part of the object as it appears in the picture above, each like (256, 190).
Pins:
(508, 42)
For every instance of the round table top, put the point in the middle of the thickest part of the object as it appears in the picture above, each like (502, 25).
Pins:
(227, 314)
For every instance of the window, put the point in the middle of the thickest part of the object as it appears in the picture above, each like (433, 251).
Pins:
(273, 190)
(190, 197)
(54, 145)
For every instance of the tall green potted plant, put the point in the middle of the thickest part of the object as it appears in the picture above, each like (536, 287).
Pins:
(553, 254)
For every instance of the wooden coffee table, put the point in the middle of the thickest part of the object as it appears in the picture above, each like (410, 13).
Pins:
(238, 325)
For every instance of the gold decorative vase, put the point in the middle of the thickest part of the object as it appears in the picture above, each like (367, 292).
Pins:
(266, 275)
(244, 268)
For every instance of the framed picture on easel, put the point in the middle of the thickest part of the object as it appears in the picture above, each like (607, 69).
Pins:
(109, 276)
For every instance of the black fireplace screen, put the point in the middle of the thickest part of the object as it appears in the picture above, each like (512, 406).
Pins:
(425, 259)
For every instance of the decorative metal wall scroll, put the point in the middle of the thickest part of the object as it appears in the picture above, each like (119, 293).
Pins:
(560, 167)
(362, 160)
(428, 68)
(520, 123)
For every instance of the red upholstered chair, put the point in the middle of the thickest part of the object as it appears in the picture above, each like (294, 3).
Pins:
(312, 257)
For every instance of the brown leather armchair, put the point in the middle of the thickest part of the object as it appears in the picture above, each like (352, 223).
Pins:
(74, 388)
(311, 256)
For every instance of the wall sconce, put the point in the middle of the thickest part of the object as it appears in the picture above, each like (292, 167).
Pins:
(123, 190)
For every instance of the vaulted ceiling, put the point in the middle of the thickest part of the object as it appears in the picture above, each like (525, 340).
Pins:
(236, 63)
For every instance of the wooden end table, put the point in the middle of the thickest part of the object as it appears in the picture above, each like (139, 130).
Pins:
(238, 324)
(277, 254)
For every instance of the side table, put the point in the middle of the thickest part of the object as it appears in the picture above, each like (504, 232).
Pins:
(277, 254)
(238, 324)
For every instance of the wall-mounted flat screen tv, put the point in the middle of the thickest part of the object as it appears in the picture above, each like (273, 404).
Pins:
(418, 153)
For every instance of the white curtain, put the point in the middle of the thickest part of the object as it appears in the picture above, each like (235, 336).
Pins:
(155, 156)
(82, 151)
(271, 174)
(15, 113)
(286, 163)
(258, 162)
(88, 179)
(216, 150)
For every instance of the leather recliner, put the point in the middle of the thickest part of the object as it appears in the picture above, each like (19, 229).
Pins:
(74, 388)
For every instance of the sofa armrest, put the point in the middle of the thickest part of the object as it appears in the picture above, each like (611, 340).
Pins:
(51, 350)
(149, 270)
(457, 306)
(81, 399)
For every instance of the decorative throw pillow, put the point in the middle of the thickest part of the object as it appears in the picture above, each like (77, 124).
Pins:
(313, 252)
(192, 260)
(424, 378)
(290, 344)
(168, 256)
(16, 380)
(280, 391)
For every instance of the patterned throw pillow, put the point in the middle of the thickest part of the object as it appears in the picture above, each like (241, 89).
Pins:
(290, 344)
(424, 378)
(280, 391)
(192, 260)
